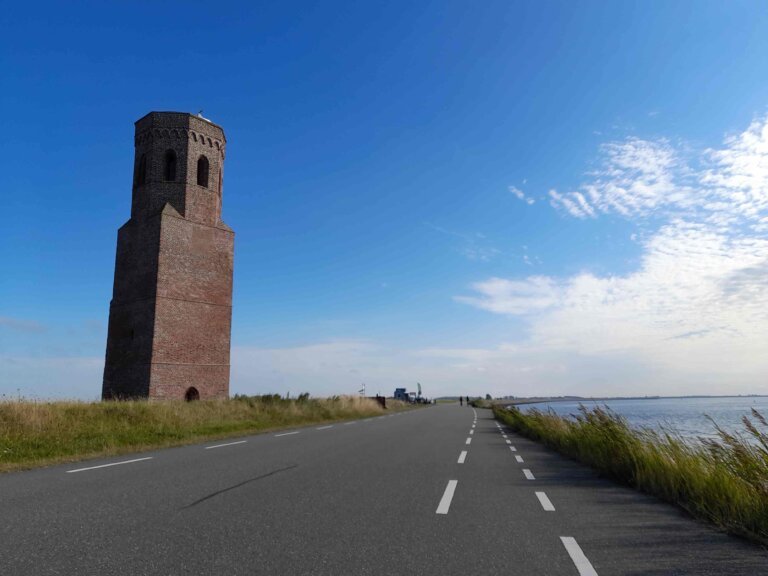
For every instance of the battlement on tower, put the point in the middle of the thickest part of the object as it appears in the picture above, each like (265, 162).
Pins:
(179, 160)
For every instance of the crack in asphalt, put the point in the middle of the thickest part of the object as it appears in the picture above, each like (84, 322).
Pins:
(214, 494)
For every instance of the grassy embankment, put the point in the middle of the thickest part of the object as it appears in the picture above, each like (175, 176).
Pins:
(723, 480)
(40, 433)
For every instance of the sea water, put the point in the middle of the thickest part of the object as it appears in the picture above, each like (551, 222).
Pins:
(690, 417)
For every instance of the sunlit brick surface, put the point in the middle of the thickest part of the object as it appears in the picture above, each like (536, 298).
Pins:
(171, 310)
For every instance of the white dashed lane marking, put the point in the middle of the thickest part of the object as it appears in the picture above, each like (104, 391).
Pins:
(469, 441)
(582, 563)
(462, 456)
(513, 449)
(286, 434)
(445, 501)
(108, 465)
(545, 502)
(228, 444)
(519, 459)
(324, 427)
(528, 474)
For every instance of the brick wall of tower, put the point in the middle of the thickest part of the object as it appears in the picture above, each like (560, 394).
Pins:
(204, 204)
(193, 311)
(132, 311)
(170, 315)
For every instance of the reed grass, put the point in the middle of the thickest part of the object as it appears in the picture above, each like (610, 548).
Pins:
(41, 433)
(723, 480)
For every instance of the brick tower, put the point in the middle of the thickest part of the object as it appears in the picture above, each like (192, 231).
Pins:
(171, 309)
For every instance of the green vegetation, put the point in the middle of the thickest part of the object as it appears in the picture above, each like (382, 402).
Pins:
(481, 403)
(722, 480)
(40, 433)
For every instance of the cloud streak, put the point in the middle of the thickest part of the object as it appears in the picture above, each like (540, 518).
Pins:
(520, 195)
(20, 325)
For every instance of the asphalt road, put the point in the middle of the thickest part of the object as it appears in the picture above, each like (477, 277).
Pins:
(427, 492)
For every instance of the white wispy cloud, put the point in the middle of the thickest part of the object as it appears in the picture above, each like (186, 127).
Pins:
(520, 195)
(635, 178)
(517, 297)
(697, 305)
(736, 181)
(474, 246)
(480, 253)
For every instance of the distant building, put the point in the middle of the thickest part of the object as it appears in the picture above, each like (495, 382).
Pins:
(401, 394)
(171, 310)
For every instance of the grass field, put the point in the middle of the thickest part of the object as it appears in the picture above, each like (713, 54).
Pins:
(40, 433)
(723, 480)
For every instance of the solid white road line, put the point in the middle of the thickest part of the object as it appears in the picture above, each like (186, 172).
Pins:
(513, 449)
(528, 474)
(324, 427)
(108, 465)
(582, 563)
(519, 459)
(222, 445)
(545, 503)
(285, 434)
(469, 441)
(445, 501)
(462, 456)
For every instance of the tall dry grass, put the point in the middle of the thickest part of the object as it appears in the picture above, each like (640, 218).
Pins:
(723, 480)
(39, 433)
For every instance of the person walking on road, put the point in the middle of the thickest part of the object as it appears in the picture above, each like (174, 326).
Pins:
(461, 400)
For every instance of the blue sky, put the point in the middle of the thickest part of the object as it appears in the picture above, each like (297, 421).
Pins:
(499, 197)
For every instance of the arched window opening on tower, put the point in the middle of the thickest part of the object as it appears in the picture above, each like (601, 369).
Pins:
(192, 394)
(169, 168)
(141, 171)
(202, 172)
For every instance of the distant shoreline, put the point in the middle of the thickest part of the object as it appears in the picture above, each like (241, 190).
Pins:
(541, 400)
